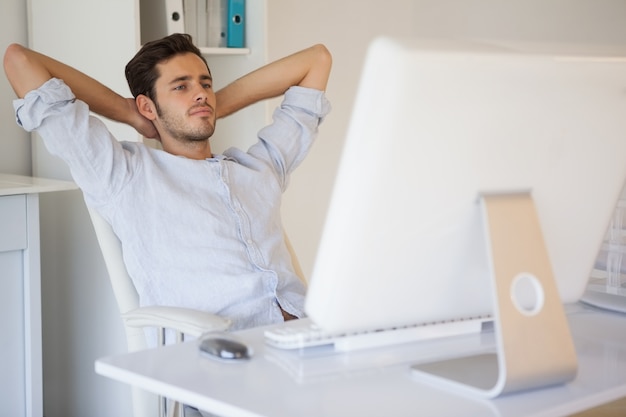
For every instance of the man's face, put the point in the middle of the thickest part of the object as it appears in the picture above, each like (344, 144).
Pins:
(185, 100)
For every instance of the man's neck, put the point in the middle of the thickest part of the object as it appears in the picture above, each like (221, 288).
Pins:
(192, 150)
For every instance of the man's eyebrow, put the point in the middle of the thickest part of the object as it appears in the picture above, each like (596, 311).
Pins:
(188, 77)
(179, 79)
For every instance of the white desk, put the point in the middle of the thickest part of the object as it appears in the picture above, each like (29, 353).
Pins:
(342, 385)
(21, 381)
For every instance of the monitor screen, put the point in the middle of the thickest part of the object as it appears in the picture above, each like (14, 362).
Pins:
(434, 125)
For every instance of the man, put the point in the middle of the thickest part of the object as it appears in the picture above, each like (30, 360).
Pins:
(198, 230)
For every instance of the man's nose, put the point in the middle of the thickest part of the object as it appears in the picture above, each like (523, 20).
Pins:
(200, 94)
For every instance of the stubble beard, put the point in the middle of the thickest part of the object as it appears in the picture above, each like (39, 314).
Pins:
(180, 131)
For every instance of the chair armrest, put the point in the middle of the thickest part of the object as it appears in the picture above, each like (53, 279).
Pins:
(183, 320)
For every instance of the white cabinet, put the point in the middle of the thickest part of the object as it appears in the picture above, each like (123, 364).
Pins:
(20, 294)
(13, 243)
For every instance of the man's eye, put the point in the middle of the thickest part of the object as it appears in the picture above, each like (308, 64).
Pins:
(179, 87)
(207, 86)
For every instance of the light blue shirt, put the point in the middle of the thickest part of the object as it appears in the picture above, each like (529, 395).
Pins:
(200, 234)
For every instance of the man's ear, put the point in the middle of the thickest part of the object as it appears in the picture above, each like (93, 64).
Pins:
(146, 107)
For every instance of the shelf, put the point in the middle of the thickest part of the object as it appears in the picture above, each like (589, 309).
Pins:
(224, 51)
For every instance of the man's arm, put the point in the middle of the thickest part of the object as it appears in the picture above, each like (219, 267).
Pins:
(27, 70)
(307, 68)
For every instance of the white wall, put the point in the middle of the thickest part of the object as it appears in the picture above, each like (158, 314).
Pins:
(14, 143)
(80, 321)
(347, 26)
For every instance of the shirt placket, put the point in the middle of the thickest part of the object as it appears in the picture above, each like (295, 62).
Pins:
(241, 218)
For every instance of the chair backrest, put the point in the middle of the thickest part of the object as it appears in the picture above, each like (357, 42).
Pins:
(123, 288)
(145, 404)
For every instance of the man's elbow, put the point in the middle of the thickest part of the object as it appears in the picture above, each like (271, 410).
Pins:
(319, 72)
(325, 59)
(14, 61)
(13, 54)
(323, 51)
(23, 69)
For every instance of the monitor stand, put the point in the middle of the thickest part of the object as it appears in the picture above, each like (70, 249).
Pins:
(534, 347)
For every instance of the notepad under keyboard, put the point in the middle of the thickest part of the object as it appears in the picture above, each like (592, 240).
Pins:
(304, 333)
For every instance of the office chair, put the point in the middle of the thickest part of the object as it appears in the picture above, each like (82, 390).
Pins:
(184, 322)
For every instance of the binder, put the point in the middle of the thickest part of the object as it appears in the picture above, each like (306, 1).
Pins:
(236, 22)
(160, 18)
(216, 23)
(175, 16)
(205, 21)
(200, 17)
(190, 8)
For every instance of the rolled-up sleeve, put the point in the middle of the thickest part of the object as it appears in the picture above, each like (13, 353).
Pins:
(287, 141)
(38, 105)
(98, 163)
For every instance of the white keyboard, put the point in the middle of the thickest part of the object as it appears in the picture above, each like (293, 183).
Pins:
(300, 334)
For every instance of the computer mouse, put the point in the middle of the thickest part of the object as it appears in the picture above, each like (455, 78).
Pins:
(224, 347)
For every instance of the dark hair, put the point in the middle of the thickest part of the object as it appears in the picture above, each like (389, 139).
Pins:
(141, 71)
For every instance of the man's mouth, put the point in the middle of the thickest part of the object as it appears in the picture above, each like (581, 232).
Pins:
(201, 111)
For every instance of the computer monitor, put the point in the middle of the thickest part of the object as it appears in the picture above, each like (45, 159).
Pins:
(434, 125)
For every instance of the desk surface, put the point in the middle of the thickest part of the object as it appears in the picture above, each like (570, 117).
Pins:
(19, 184)
(370, 383)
